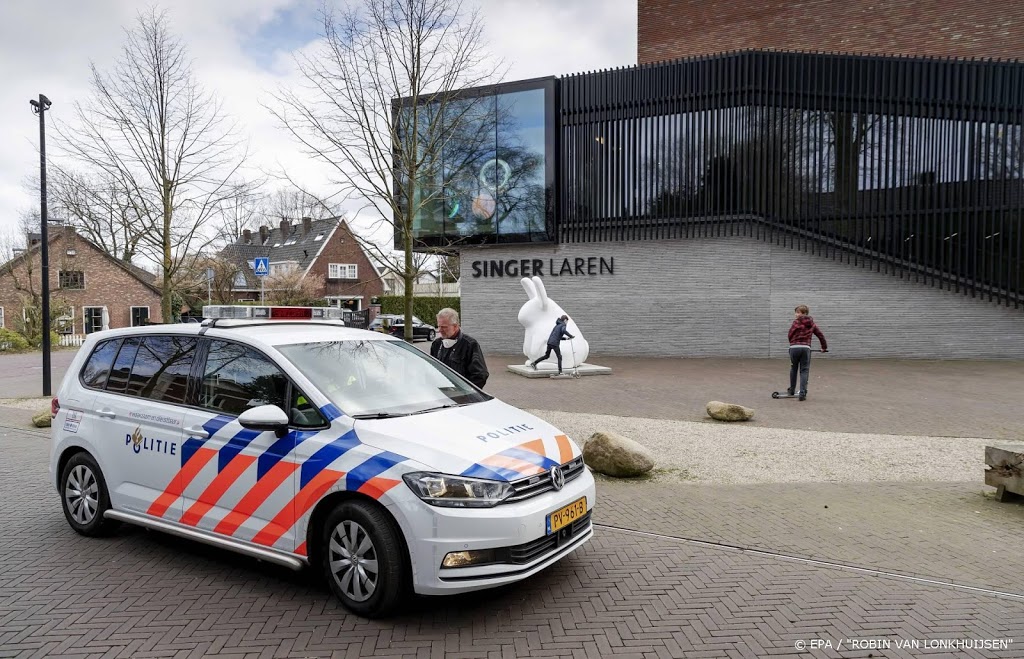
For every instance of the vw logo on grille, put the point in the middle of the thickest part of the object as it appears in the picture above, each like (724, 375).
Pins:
(557, 478)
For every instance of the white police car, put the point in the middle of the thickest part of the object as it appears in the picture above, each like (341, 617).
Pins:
(307, 442)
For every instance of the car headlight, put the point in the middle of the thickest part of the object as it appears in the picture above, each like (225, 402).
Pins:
(457, 491)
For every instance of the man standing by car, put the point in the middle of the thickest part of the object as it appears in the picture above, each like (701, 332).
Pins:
(458, 350)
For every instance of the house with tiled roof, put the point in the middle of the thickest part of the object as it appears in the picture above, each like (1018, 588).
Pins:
(324, 247)
(85, 281)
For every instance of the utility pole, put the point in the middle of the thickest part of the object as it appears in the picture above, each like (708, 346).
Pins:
(39, 107)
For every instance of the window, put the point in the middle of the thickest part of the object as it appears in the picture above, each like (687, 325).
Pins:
(96, 370)
(237, 378)
(239, 280)
(319, 236)
(342, 271)
(380, 377)
(161, 368)
(140, 316)
(303, 413)
(93, 319)
(283, 267)
(66, 324)
(1, 317)
(71, 279)
(494, 168)
(118, 380)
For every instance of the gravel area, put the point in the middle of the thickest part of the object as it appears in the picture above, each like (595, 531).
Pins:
(720, 453)
(39, 404)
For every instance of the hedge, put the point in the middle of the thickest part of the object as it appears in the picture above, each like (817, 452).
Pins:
(424, 308)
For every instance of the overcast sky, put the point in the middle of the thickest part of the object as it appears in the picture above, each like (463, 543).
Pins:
(242, 51)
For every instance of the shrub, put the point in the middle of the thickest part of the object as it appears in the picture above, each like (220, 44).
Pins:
(11, 341)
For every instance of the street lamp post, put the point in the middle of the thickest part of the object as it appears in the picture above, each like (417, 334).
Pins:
(39, 107)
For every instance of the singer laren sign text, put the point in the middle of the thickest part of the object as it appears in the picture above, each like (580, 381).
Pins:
(579, 266)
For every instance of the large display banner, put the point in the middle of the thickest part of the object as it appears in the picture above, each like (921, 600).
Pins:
(487, 178)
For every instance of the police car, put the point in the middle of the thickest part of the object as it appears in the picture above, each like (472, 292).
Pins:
(283, 435)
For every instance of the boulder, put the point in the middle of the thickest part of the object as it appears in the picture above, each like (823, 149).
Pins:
(729, 411)
(612, 454)
(41, 420)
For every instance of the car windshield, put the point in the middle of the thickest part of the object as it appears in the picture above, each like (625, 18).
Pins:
(380, 379)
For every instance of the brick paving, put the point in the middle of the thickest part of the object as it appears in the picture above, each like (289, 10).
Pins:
(145, 594)
(953, 532)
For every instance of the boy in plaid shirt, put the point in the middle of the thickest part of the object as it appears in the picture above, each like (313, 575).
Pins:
(800, 333)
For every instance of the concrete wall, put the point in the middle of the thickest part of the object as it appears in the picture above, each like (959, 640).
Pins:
(734, 297)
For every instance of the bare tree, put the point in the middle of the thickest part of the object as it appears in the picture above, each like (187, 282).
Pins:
(294, 203)
(293, 289)
(388, 153)
(150, 127)
(208, 277)
(239, 211)
(99, 208)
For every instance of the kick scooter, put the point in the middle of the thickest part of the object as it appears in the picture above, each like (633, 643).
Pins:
(785, 393)
(575, 374)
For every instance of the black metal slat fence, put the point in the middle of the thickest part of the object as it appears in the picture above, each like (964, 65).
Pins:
(911, 166)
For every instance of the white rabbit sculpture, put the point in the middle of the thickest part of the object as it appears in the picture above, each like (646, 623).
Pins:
(538, 316)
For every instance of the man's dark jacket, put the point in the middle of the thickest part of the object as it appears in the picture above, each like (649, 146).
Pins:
(465, 358)
(558, 332)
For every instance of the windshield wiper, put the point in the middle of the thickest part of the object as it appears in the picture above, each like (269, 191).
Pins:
(380, 415)
(439, 407)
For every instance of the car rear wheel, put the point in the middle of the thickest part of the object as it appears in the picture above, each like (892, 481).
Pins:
(363, 558)
(84, 496)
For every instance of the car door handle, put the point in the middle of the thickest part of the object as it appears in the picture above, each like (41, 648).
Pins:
(106, 414)
(198, 431)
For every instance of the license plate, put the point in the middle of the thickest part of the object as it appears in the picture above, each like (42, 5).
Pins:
(566, 515)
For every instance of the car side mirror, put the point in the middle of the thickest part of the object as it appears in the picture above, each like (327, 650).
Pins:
(265, 418)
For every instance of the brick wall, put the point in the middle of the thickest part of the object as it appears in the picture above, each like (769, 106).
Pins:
(344, 248)
(669, 29)
(106, 284)
(734, 297)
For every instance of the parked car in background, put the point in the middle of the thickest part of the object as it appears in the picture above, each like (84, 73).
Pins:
(420, 330)
(394, 325)
(382, 323)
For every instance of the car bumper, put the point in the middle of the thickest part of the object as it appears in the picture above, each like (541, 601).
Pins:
(516, 531)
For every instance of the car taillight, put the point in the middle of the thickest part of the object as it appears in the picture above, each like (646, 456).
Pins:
(54, 407)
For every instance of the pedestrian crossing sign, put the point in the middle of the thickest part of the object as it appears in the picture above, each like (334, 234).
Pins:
(261, 266)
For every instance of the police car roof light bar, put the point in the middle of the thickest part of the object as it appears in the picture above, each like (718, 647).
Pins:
(249, 312)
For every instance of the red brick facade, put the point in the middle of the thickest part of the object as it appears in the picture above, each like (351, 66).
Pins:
(670, 29)
(344, 248)
(106, 283)
(339, 246)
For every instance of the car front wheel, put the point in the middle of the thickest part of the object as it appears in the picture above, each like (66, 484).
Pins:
(84, 496)
(363, 558)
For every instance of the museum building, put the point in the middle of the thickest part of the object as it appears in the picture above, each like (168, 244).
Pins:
(683, 208)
